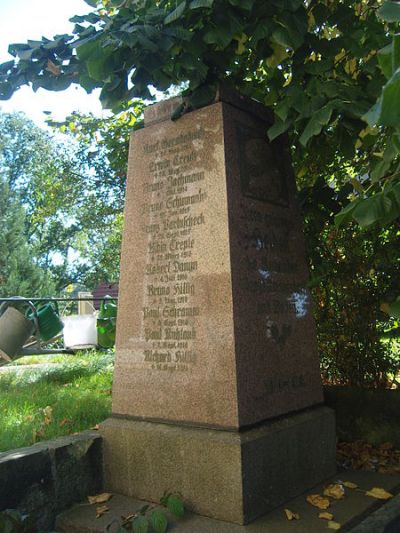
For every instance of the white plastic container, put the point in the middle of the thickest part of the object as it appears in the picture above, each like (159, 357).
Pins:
(80, 331)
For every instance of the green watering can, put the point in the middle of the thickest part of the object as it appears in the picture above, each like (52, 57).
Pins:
(48, 320)
(106, 322)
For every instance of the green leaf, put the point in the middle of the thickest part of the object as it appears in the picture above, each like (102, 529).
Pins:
(368, 211)
(196, 4)
(396, 52)
(176, 13)
(385, 60)
(394, 309)
(140, 524)
(316, 123)
(218, 36)
(390, 112)
(203, 96)
(4, 67)
(390, 11)
(373, 115)
(159, 521)
(25, 55)
(175, 505)
(92, 3)
(345, 214)
(278, 128)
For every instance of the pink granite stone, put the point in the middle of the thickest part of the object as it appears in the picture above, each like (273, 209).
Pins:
(215, 325)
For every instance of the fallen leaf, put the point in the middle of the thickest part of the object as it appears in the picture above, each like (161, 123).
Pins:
(350, 485)
(378, 493)
(335, 491)
(100, 498)
(290, 515)
(96, 427)
(334, 525)
(326, 516)
(101, 510)
(48, 415)
(318, 501)
(389, 469)
(64, 422)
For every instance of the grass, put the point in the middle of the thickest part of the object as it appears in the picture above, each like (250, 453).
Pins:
(72, 395)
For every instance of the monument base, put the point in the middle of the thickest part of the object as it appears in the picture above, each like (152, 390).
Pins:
(232, 476)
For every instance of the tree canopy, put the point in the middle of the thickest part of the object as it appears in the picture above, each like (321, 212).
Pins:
(329, 68)
(60, 193)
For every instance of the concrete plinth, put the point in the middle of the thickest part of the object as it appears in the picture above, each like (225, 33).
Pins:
(232, 476)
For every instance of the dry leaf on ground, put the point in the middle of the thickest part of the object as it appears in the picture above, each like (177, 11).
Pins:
(334, 525)
(361, 455)
(326, 516)
(101, 510)
(318, 501)
(290, 515)
(350, 485)
(379, 493)
(335, 491)
(100, 498)
(65, 421)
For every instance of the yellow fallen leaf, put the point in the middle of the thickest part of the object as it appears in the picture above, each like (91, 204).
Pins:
(318, 501)
(100, 498)
(326, 516)
(378, 493)
(101, 510)
(335, 491)
(334, 525)
(290, 515)
(350, 485)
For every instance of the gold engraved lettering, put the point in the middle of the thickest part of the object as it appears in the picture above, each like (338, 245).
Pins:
(157, 247)
(175, 312)
(184, 288)
(181, 139)
(151, 312)
(151, 270)
(184, 159)
(184, 180)
(153, 334)
(181, 245)
(182, 201)
(155, 166)
(188, 266)
(160, 290)
(152, 228)
(184, 222)
(179, 334)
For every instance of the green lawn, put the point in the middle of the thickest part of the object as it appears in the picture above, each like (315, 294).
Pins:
(73, 394)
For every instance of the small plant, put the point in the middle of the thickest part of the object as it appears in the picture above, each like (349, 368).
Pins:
(151, 517)
(13, 521)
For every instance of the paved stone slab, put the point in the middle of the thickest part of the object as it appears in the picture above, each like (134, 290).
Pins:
(348, 512)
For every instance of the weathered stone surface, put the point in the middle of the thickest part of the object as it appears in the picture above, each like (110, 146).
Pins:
(46, 478)
(227, 475)
(214, 323)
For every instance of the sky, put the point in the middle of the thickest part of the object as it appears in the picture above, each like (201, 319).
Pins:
(21, 20)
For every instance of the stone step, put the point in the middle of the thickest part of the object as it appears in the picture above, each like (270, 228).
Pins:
(350, 512)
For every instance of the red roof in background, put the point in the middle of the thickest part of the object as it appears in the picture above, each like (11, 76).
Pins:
(104, 289)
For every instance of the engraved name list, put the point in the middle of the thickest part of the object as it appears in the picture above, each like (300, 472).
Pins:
(173, 210)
